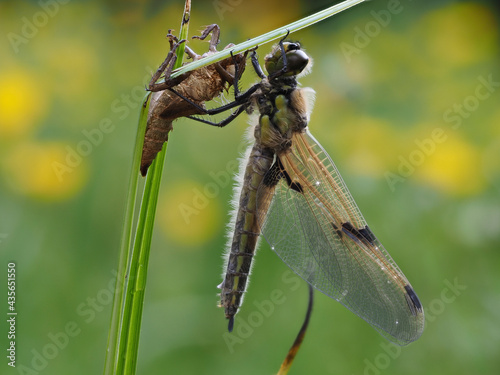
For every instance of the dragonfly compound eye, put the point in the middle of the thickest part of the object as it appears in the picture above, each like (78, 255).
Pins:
(296, 59)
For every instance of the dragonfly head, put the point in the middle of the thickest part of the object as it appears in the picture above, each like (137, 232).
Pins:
(296, 59)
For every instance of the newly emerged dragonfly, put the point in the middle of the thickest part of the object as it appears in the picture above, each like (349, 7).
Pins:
(292, 193)
(198, 86)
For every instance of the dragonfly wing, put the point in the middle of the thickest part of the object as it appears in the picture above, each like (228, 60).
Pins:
(315, 227)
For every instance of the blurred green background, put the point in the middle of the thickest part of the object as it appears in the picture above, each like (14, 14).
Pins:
(407, 106)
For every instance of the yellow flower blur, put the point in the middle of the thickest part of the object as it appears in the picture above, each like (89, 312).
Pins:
(453, 168)
(29, 169)
(23, 103)
(189, 213)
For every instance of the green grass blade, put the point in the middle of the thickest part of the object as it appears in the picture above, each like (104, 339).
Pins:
(137, 272)
(268, 37)
(110, 364)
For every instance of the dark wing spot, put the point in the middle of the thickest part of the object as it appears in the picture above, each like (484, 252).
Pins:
(352, 232)
(292, 185)
(413, 301)
(276, 173)
(367, 234)
(336, 228)
(273, 175)
(362, 235)
(348, 226)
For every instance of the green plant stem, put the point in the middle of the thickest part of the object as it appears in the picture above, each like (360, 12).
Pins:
(139, 265)
(268, 37)
(123, 340)
(112, 351)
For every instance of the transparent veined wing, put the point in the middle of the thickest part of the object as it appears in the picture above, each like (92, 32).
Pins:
(315, 227)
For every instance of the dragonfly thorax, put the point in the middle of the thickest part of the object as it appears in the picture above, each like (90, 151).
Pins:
(281, 116)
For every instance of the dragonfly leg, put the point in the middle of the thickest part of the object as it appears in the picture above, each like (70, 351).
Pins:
(224, 122)
(283, 54)
(173, 39)
(256, 65)
(166, 67)
(240, 101)
(214, 41)
(225, 75)
(238, 71)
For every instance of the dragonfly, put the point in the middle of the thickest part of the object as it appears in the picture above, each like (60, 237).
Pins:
(198, 86)
(292, 194)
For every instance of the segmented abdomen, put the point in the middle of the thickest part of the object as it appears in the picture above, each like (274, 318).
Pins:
(246, 232)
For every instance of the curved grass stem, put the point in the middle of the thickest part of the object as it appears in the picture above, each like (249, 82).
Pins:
(123, 339)
(268, 37)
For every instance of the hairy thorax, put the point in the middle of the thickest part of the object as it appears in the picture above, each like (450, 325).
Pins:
(283, 111)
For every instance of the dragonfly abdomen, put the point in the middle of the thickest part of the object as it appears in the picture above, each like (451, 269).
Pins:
(246, 232)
